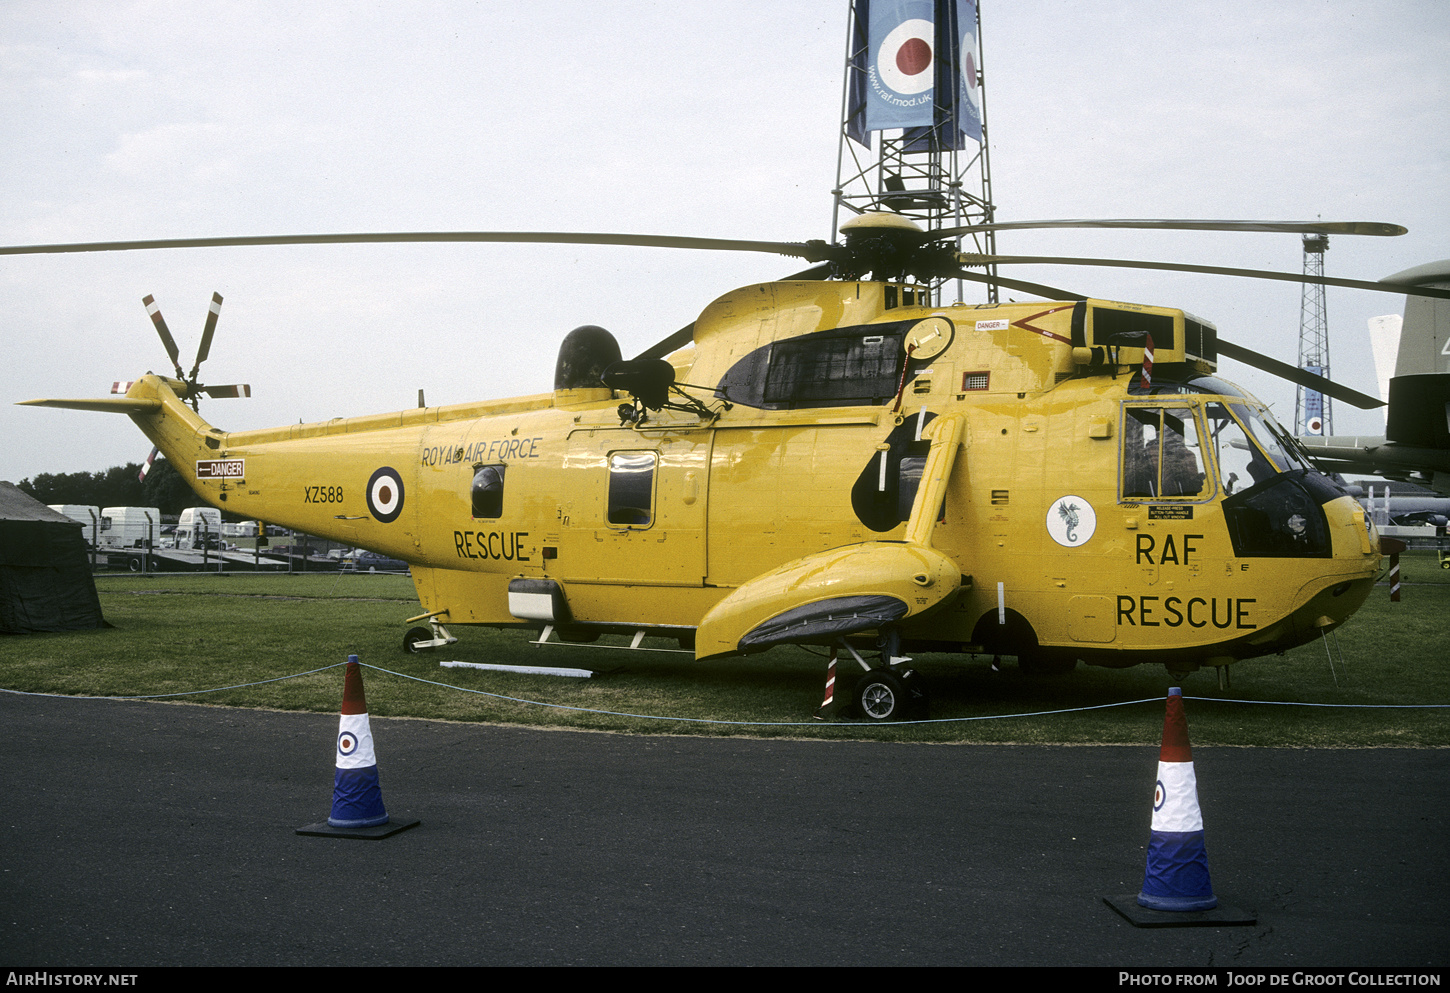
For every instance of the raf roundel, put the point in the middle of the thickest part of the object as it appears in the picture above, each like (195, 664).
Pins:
(346, 743)
(385, 495)
(903, 62)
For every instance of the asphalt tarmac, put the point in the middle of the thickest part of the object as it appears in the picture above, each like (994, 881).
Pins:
(149, 834)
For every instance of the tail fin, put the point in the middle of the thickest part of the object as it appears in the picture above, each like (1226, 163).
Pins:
(153, 404)
(1425, 334)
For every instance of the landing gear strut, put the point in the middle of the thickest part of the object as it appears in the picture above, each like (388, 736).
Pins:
(433, 636)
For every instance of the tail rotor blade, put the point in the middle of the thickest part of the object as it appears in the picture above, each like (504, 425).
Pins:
(169, 342)
(206, 334)
(231, 390)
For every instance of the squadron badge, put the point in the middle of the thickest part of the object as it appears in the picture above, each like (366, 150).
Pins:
(1071, 521)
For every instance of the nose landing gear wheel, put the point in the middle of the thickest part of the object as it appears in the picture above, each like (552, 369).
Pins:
(882, 695)
(879, 697)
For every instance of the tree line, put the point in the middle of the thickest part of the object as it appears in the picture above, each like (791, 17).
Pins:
(117, 486)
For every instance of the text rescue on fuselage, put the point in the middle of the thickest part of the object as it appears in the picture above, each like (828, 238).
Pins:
(1143, 608)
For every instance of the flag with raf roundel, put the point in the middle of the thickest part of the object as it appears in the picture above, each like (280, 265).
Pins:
(357, 799)
(913, 66)
(900, 74)
(1176, 877)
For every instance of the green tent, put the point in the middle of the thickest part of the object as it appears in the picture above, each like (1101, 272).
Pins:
(45, 577)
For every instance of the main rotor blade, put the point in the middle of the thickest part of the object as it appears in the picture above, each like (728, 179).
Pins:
(533, 237)
(1375, 228)
(661, 348)
(1036, 289)
(1380, 286)
(1300, 377)
(686, 334)
(822, 271)
(149, 302)
(205, 348)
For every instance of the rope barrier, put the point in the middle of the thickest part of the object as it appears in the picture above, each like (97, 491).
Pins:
(707, 720)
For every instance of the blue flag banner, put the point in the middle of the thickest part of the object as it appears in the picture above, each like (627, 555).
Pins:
(900, 75)
(969, 94)
(913, 66)
(1313, 405)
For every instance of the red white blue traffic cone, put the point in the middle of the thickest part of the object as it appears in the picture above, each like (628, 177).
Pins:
(357, 800)
(1176, 878)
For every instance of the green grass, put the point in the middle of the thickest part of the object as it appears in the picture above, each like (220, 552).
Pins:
(192, 631)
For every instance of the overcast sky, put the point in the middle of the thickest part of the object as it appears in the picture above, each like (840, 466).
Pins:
(167, 119)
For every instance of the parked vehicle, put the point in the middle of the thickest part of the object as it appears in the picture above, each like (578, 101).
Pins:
(199, 527)
(373, 562)
(87, 515)
(130, 527)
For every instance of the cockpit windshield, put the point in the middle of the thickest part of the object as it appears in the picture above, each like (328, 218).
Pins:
(1241, 462)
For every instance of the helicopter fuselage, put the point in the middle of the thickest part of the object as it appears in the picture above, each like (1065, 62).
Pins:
(1081, 513)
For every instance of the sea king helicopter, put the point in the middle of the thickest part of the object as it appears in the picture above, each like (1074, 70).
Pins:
(834, 460)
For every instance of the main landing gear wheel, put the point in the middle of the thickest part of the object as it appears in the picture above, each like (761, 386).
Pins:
(415, 635)
(134, 565)
(882, 695)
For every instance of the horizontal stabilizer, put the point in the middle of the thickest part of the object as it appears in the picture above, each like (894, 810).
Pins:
(113, 405)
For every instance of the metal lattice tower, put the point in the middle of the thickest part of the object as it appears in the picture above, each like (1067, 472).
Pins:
(915, 172)
(1313, 414)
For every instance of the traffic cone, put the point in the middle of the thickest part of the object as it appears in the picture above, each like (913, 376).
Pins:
(357, 800)
(1176, 877)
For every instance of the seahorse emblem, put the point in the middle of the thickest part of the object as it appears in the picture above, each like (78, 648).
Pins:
(1069, 515)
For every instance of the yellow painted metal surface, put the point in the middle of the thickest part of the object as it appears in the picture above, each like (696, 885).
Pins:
(757, 509)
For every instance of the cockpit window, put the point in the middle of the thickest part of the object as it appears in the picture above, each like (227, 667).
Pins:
(1240, 462)
(1162, 458)
(1271, 439)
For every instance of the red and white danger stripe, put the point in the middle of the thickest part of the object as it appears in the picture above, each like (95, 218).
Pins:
(1146, 381)
(830, 682)
(150, 459)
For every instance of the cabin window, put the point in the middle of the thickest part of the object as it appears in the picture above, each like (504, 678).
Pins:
(1162, 458)
(821, 369)
(488, 491)
(844, 367)
(631, 488)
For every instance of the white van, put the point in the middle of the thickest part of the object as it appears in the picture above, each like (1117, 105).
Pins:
(86, 515)
(199, 527)
(130, 527)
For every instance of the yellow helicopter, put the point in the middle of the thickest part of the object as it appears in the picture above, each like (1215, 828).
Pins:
(833, 459)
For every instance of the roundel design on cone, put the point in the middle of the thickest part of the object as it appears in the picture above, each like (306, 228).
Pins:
(385, 495)
(346, 743)
(1159, 795)
(904, 60)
